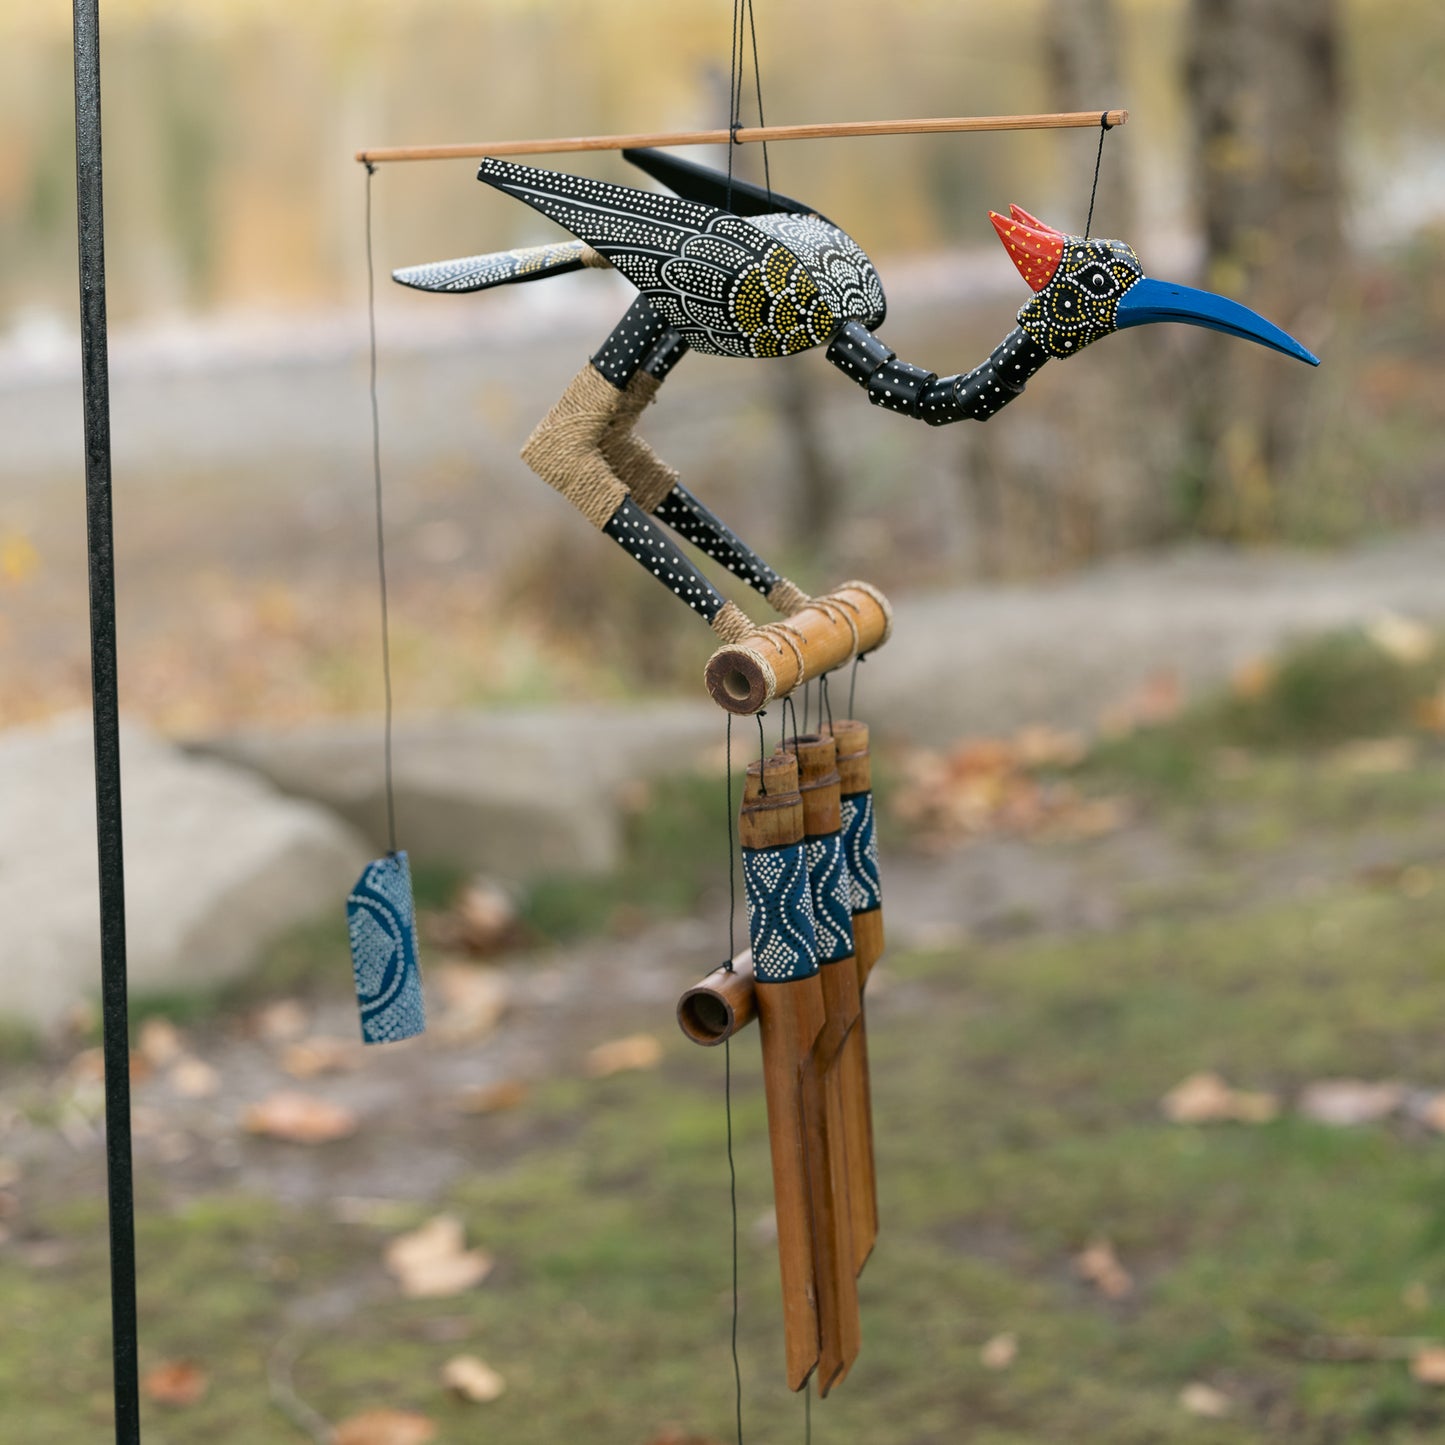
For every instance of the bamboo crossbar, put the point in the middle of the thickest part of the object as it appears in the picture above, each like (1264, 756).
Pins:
(747, 135)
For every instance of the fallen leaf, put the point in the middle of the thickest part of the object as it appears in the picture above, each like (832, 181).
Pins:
(1041, 746)
(1205, 1098)
(433, 1262)
(88, 1067)
(299, 1118)
(1346, 1103)
(1158, 699)
(1205, 1401)
(1099, 1266)
(176, 1383)
(1432, 1113)
(1427, 1365)
(320, 1054)
(1401, 638)
(493, 1098)
(473, 1379)
(282, 1021)
(1000, 1352)
(1375, 757)
(159, 1043)
(1251, 680)
(385, 1427)
(473, 999)
(638, 1051)
(18, 558)
(1430, 712)
(194, 1078)
(484, 917)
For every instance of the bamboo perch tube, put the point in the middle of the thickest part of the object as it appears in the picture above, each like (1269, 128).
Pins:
(745, 135)
(716, 1007)
(771, 661)
(790, 1017)
(845, 1099)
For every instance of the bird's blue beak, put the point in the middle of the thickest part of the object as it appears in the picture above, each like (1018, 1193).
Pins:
(1149, 300)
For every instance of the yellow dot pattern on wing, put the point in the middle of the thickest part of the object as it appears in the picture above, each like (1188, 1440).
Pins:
(778, 308)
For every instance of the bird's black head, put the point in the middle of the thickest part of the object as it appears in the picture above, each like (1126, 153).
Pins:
(1084, 289)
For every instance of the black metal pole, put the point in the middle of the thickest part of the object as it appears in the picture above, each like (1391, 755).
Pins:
(105, 710)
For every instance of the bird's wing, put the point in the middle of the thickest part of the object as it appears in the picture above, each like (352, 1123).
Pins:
(725, 286)
(712, 187)
(476, 273)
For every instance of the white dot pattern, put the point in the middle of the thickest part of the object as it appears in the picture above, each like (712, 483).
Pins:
(696, 524)
(620, 357)
(631, 528)
(781, 927)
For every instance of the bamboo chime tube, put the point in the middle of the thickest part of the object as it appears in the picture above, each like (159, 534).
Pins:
(771, 661)
(791, 1015)
(716, 1007)
(856, 774)
(746, 135)
(845, 1101)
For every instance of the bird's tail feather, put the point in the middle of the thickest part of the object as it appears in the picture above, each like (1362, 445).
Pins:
(476, 273)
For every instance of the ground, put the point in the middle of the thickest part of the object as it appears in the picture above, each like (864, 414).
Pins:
(1231, 891)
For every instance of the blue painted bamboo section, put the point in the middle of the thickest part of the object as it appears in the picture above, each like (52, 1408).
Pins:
(860, 847)
(780, 913)
(831, 888)
(381, 921)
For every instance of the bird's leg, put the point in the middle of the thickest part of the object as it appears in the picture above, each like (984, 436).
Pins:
(569, 451)
(921, 394)
(656, 488)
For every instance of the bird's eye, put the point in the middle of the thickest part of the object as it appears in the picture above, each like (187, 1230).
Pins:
(1096, 281)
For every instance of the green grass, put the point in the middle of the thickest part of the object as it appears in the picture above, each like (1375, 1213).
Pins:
(1333, 690)
(1016, 1096)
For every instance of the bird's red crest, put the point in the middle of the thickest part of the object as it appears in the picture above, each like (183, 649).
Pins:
(1036, 249)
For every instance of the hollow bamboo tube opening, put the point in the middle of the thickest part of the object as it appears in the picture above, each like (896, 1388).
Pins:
(718, 1006)
(772, 661)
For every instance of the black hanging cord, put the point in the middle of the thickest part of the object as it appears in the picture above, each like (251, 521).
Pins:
(1104, 129)
(735, 89)
(380, 530)
(853, 682)
(105, 712)
(728, 1082)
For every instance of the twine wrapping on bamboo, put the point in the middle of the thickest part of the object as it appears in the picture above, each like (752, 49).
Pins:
(748, 673)
(791, 1015)
(565, 448)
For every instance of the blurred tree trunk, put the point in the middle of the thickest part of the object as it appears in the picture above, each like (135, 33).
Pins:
(1263, 80)
(1100, 483)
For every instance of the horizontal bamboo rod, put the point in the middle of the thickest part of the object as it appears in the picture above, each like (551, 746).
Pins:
(745, 135)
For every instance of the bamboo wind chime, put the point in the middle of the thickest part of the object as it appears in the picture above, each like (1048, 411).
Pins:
(729, 268)
(815, 926)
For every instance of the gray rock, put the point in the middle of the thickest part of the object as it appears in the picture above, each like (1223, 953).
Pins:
(217, 865)
(515, 794)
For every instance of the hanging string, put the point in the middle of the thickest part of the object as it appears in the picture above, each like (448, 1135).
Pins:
(1104, 128)
(728, 1081)
(380, 531)
(783, 730)
(807, 1417)
(824, 701)
(853, 682)
(735, 89)
(762, 756)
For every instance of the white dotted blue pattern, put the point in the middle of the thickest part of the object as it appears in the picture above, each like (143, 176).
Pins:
(381, 924)
(860, 846)
(832, 892)
(781, 927)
